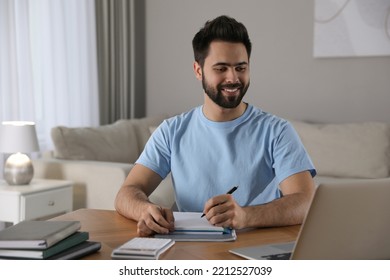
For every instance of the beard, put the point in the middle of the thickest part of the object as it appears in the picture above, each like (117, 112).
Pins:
(216, 95)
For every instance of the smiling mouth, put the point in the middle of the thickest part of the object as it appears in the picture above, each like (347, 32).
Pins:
(230, 91)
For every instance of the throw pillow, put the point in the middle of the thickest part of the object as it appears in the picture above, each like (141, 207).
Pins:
(115, 142)
(354, 150)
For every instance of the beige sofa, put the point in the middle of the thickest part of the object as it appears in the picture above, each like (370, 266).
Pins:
(99, 159)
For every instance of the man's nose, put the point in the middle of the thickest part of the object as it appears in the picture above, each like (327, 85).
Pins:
(231, 76)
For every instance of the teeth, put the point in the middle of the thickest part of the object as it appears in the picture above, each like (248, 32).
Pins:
(231, 90)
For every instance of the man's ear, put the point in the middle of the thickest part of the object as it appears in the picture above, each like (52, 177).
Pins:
(198, 71)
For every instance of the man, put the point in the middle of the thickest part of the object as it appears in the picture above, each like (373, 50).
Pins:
(225, 142)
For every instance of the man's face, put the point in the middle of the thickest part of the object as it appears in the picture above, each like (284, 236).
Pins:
(225, 74)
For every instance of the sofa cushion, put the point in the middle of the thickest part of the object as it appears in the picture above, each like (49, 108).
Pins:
(142, 128)
(115, 142)
(354, 150)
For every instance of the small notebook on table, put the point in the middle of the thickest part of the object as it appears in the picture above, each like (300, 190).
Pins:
(142, 248)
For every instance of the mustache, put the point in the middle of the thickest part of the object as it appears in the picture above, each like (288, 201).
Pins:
(229, 86)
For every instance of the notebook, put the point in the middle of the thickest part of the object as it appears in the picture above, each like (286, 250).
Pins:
(348, 220)
(191, 226)
(37, 234)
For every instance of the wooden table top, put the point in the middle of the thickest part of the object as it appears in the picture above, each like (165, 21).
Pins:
(112, 230)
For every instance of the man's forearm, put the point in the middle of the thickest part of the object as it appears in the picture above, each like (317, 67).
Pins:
(130, 202)
(288, 210)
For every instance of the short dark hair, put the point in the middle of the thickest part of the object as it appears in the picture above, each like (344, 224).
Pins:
(223, 28)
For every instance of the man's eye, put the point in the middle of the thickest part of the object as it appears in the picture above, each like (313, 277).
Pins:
(220, 69)
(240, 69)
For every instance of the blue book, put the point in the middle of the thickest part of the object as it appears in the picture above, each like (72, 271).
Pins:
(192, 226)
(76, 252)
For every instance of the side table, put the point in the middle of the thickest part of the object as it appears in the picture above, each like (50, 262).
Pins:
(39, 199)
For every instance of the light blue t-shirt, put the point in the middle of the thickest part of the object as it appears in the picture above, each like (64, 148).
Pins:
(256, 152)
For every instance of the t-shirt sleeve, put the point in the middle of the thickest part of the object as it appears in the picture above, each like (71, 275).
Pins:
(289, 154)
(157, 153)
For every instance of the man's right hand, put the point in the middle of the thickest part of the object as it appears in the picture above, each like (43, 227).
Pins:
(155, 219)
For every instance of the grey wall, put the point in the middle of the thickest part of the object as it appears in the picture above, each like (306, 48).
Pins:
(285, 78)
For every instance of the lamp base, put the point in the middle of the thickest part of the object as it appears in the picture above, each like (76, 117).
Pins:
(18, 169)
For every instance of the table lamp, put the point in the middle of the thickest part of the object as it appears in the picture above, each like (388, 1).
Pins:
(17, 138)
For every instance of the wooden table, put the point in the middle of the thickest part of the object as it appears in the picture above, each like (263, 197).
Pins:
(112, 230)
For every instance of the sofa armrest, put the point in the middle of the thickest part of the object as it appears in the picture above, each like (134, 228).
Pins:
(95, 183)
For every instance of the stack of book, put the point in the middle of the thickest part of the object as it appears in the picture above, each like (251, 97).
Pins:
(58, 240)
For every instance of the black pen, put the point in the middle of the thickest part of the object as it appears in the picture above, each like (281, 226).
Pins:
(232, 190)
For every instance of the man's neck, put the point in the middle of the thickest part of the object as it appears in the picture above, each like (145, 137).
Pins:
(216, 113)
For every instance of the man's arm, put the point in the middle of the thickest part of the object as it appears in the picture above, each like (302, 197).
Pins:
(290, 209)
(133, 203)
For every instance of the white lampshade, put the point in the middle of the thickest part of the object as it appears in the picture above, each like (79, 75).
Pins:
(18, 136)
